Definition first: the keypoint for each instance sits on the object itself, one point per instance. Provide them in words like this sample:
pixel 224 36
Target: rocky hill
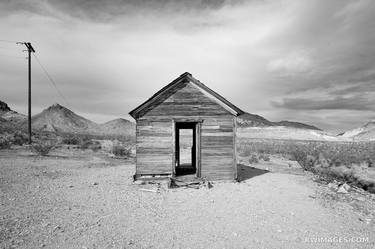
pixel 4 107
pixel 58 118
pixel 363 133
pixel 119 126
pixel 9 120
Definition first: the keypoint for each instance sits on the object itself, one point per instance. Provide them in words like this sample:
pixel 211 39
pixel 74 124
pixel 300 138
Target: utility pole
pixel 29 50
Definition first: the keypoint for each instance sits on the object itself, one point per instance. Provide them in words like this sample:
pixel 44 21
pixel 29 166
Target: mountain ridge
pixel 254 120
pixel 57 118
pixel 365 132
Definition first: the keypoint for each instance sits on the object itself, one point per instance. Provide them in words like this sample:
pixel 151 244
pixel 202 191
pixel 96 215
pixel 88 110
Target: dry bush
pixel 264 157
pixel 253 159
pixel 91 144
pixel 71 140
pixel 20 138
pixel 337 153
pixel 5 141
pixel 120 151
pixel 42 148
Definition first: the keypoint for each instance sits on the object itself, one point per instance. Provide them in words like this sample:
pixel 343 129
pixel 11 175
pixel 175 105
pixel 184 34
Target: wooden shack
pixel 182 109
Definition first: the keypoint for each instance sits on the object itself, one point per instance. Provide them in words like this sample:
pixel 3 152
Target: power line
pixel 13 56
pixel 5 47
pixel 8 41
pixel 52 81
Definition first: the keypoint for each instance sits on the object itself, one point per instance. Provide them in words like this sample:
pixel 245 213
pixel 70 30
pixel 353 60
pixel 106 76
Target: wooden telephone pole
pixel 29 50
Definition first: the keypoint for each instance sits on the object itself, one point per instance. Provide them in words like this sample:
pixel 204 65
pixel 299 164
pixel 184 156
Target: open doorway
pixel 186 148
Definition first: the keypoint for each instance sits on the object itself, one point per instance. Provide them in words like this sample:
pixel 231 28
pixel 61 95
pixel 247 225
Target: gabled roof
pixel 187 77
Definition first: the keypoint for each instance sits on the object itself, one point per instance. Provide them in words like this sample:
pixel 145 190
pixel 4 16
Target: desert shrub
pixel 20 138
pixel 85 144
pixel 120 151
pixel 5 141
pixel 370 164
pixel 253 159
pixel 71 140
pixel 299 156
pixel 356 175
pixel 264 157
pixel 91 144
pixel 42 148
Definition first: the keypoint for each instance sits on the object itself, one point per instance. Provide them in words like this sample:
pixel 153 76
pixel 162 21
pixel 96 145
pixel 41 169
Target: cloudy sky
pixel 308 61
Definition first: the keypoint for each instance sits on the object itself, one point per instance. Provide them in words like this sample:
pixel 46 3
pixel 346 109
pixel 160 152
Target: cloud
pixel 258 54
pixel 293 63
pixel 110 10
pixel 355 88
pixel 359 103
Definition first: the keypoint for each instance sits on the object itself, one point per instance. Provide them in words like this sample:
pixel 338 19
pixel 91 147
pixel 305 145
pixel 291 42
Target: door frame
pixel 198 125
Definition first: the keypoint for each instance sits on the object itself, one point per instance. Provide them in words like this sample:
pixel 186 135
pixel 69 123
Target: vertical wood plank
pixel 173 148
pixel 136 147
pixel 198 148
pixel 235 148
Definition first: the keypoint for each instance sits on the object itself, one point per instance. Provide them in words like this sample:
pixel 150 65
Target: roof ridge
pixel 186 76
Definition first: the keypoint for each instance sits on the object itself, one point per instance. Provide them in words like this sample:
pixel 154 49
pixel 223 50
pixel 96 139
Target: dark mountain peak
pixel 57 106
pixel 4 107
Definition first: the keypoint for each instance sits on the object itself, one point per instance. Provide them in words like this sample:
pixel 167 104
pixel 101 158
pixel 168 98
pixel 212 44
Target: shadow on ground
pixel 245 172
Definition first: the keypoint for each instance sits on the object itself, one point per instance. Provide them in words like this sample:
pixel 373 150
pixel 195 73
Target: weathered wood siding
pixel 154 147
pixel 155 132
pixel 217 150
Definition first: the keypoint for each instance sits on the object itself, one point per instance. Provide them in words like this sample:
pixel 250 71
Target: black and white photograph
pixel 157 124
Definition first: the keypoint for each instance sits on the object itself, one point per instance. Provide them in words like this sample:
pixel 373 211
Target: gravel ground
pixel 75 199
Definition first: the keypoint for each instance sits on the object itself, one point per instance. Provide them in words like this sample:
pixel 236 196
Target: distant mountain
pixel 287 133
pixel 118 126
pixel 363 133
pixel 4 107
pixel 14 117
pixel 9 120
pixel 57 118
pixel 296 125
pixel 5 126
pixel 253 120
pixel 255 126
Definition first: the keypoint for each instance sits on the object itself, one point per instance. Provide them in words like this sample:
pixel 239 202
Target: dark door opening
pixel 186 151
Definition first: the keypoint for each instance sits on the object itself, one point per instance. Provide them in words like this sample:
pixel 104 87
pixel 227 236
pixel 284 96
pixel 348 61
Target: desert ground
pixel 84 199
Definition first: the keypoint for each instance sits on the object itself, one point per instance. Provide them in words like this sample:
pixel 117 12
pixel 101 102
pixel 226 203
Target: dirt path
pixel 86 200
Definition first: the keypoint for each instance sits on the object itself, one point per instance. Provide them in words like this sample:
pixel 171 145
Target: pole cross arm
pixel 29 47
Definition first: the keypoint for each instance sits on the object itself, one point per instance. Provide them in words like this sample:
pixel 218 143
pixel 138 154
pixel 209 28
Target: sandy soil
pixel 88 200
